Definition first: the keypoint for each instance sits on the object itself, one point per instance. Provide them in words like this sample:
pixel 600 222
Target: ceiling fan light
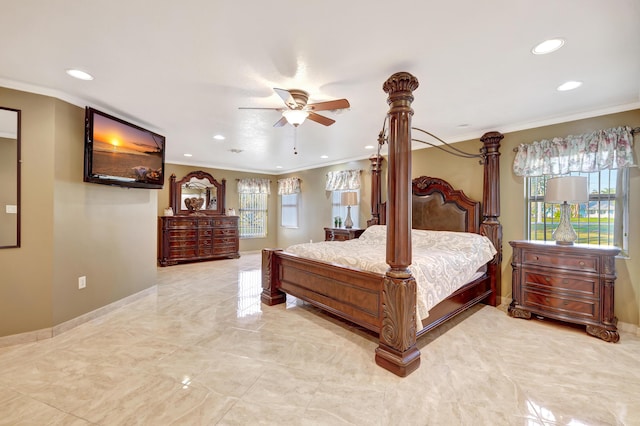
pixel 295 117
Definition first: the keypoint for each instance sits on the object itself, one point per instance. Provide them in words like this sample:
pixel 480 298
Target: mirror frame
pixel 18 173
pixel 175 195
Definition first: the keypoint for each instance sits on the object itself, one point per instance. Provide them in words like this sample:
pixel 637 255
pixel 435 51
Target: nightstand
pixel 341 234
pixel 572 283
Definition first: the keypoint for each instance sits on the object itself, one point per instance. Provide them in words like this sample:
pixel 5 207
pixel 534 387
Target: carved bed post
pixel 376 189
pixel 397 351
pixel 491 226
pixel 270 295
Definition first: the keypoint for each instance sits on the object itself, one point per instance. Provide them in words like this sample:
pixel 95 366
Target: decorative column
pixel 397 351
pixel 490 226
pixel 376 190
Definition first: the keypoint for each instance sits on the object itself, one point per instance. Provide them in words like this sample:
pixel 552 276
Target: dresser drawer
pixel 230 221
pixel 582 286
pixel 182 252
pixel 579 263
pixel 225 249
pixel 552 304
pixel 225 232
pixel 182 235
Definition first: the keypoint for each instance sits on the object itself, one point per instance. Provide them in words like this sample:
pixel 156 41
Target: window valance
pixel 342 180
pixel 288 186
pixel 590 152
pixel 254 186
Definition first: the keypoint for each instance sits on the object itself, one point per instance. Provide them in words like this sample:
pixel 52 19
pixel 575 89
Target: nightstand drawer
pixel 541 302
pixel 580 263
pixel 341 234
pixel 580 286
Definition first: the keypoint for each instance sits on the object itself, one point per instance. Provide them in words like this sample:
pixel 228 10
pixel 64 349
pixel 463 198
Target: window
pixel 601 221
pixel 253 215
pixel 339 210
pixel 289 204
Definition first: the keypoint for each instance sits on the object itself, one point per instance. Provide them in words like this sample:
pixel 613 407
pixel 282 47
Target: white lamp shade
pixel 349 198
pixel 295 116
pixel 572 189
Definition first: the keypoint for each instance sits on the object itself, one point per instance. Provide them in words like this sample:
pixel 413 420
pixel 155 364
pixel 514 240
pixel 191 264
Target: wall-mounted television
pixel 120 153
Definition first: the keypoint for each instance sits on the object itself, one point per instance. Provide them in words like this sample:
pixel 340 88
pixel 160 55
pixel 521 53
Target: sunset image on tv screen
pixel 125 152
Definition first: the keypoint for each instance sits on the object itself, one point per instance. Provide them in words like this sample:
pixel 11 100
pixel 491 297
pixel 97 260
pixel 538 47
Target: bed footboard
pixel 351 294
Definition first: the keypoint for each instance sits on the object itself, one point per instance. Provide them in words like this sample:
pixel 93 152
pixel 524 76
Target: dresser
pixel 572 283
pixel 192 238
pixel 341 234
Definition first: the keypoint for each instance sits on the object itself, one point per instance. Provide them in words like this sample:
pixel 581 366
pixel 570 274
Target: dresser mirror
pixel 9 178
pixel 197 193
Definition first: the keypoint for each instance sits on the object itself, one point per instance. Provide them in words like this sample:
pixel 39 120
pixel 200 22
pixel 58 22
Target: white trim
pixel 47 333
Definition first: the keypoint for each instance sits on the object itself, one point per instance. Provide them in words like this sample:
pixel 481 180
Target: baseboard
pixel 629 328
pixel 47 333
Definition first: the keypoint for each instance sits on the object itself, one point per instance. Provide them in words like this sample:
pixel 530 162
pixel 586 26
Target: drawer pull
pixel 546 299
pixel 535 258
pixel 565 303
pixel 547 278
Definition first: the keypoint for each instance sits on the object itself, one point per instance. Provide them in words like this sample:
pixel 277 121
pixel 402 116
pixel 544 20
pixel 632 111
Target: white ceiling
pixel 182 68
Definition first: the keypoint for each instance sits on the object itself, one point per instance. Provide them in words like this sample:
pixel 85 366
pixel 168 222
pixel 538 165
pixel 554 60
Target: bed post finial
pixel 491 226
pixel 397 351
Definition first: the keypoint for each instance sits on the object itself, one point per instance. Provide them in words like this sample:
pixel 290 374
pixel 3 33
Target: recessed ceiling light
pixel 569 85
pixel 219 137
pixel 548 46
pixel 324 156
pixel 278 167
pixel 79 74
pixel 188 155
pixel 369 147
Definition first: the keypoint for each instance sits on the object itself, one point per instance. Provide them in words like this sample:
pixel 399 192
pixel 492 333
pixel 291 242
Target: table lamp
pixel 565 191
pixel 348 199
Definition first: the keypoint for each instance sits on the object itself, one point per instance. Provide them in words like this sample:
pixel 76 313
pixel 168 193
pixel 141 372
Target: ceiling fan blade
pixel 287 98
pixel 329 105
pixel 320 119
pixel 280 122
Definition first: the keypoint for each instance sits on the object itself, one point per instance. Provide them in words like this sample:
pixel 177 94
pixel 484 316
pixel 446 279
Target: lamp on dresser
pixel 565 191
pixel 349 199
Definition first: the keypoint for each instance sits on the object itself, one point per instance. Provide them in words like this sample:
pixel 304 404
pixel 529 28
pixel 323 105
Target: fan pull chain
pixel 295 140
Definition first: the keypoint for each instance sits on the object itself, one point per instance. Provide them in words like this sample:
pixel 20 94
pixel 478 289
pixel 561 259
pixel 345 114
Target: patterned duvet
pixel 443 261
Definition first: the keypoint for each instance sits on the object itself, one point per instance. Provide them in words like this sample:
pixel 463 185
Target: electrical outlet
pixel 82 282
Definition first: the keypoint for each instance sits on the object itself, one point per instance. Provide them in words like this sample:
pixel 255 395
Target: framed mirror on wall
pixel 9 177
pixel 197 193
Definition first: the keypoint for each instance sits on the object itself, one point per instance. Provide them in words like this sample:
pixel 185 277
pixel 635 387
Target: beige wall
pixel 69 228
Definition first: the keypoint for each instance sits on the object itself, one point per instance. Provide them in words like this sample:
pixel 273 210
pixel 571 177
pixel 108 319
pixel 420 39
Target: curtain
pixel 346 179
pixel 254 186
pixel 288 186
pixel 591 152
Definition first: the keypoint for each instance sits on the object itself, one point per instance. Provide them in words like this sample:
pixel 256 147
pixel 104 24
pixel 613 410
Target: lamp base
pixel 564 233
pixel 348 223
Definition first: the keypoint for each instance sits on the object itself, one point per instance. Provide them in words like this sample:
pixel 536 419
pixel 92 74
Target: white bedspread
pixel 442 261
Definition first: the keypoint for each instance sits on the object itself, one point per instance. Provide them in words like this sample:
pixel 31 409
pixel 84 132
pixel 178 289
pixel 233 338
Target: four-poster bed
pixel 386 303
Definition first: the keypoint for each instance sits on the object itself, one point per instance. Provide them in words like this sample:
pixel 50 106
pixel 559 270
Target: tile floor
pixel 204 351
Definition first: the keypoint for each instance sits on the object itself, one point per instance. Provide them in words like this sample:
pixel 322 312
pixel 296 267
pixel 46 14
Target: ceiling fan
pixel 297 109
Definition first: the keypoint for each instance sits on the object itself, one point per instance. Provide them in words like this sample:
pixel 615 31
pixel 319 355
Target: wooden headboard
pixel 437 206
